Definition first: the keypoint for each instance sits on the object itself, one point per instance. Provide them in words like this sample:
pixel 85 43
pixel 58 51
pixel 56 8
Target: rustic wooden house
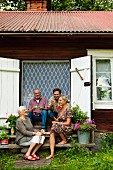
pixel 69 50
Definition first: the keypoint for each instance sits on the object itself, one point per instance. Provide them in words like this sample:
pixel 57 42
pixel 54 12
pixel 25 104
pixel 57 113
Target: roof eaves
pixel 53 32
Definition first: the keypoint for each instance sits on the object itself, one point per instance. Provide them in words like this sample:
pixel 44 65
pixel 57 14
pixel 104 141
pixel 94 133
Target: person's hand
pixel 53 122
pixel 59 122
pixel 34 107
pixel 34 133
pixel 53 102
pixel 38 133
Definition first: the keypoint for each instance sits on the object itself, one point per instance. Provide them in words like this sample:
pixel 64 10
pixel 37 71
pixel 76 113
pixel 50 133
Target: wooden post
pixel 92 137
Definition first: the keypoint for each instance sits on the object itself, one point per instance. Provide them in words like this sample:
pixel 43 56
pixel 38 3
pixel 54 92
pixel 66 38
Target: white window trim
pixel 100 54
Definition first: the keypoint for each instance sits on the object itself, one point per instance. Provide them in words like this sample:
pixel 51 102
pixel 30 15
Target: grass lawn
pixel 64 160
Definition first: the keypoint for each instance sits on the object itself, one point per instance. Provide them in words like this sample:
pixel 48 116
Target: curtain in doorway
pixel 46 76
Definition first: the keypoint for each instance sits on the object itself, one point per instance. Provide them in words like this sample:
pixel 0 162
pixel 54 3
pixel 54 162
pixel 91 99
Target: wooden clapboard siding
pixel 40 50
pixel 103 119
pixel 50 48
pixel 9 86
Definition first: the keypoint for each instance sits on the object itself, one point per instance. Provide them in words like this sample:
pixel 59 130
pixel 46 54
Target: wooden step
pixel 45 145
pixel 13 137
pixel 46 135
pixel 38 127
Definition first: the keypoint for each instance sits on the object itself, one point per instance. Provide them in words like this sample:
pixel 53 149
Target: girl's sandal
pixel 30 158
pixel 36 157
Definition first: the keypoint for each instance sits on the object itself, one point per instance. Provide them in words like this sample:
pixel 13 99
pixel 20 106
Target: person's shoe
pixel 36 157
pixel 30 158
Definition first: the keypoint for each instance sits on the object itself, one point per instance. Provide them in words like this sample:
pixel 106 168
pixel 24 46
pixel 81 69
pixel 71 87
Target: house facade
pixel 69 50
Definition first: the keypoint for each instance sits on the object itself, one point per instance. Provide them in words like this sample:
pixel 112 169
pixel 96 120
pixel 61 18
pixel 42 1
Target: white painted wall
pixel 9 87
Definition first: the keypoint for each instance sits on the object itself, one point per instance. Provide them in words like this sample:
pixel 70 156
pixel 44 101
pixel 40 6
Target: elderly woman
pixel 26 136
pixel 62 126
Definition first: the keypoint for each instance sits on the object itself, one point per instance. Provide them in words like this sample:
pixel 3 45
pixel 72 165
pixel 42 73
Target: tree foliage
pixel 62 5
pixel 82 5
pixel 13 5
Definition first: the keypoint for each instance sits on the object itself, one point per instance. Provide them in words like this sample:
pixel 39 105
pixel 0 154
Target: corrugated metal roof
pixel 56 22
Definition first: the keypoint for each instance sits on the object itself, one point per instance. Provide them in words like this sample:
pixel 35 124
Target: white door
pixel 9 86
pixel 81 83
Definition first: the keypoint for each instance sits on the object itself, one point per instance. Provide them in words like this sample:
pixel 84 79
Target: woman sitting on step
pixel 62 126
pixel 26 136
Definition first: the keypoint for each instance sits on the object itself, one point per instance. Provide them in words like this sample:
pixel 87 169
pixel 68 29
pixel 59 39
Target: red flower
pixel 58 107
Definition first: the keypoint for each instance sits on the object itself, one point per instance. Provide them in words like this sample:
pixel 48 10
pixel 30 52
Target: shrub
pixel 107 141
pixel 78 114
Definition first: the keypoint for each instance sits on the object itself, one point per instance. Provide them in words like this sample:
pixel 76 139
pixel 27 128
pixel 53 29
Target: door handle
pixel 87 83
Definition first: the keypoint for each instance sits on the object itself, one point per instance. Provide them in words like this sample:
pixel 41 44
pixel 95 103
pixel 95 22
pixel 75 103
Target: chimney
pixel 38 5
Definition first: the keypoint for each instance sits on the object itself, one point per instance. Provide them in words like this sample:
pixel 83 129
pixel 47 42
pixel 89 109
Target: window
pixel 103 80
pixel 102 73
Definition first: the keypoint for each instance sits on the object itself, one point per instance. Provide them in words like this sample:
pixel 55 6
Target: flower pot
pixel 83 137
pixel 4 142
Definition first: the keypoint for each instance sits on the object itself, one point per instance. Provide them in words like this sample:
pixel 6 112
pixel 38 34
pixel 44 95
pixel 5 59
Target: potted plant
pixel 4 129
pixel 4 137
pixel 78 114
pixel 12 122
pixel 105 94
pixel 83 130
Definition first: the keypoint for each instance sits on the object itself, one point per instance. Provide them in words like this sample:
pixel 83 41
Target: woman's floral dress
pixel 60 128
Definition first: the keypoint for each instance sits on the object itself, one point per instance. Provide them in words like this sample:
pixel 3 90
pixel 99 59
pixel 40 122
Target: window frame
pixel 101 55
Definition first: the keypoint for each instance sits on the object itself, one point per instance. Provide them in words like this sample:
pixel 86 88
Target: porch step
pixel 12 138
pixel 46 135
pixel 45 145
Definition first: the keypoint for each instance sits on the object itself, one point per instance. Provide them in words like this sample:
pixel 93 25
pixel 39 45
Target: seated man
pixel 38 108
pixel 53 103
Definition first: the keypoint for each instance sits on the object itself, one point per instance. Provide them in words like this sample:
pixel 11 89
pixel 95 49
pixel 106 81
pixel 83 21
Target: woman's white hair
pixel 20 109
